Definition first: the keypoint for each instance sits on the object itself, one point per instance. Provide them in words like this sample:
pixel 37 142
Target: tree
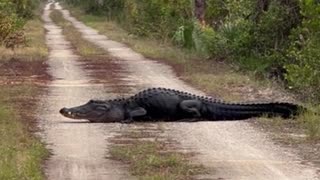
pixel 199 11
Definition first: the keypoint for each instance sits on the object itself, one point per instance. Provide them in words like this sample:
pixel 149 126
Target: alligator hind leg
pixel 191 107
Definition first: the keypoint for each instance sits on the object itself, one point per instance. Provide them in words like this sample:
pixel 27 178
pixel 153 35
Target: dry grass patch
pixel 221 85
pixel 311 123
pixel 151 160
pixel 35 48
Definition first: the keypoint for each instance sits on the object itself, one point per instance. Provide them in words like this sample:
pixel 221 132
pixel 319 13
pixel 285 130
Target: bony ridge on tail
pixel 172 105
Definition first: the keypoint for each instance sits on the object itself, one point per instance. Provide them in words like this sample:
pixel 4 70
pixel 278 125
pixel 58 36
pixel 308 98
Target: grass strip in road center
pixel 150 159
pixel 81 46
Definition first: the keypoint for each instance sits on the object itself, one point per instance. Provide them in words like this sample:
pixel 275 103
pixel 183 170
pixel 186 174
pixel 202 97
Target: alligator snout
pixel 65 112
pixel 71 113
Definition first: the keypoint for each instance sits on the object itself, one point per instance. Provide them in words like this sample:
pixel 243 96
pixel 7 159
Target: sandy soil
pixel 234 150
pixel 16 71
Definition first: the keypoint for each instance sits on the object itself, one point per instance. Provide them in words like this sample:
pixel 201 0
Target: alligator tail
pixel 226 111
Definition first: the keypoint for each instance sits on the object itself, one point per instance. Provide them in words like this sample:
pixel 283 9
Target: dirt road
pixel 234 150
pixel 79 149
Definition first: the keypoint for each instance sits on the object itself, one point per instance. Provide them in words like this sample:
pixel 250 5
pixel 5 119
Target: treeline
pixel 13 15
pixel 274 38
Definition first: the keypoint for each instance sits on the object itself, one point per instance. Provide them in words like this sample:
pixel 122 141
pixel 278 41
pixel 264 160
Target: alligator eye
pixel 91 101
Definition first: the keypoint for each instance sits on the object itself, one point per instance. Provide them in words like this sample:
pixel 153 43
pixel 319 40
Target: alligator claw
pixel 126 121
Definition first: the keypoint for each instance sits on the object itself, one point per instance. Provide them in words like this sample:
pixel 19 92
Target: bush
pixel 303 68
pixel 13 15
pixel 160 19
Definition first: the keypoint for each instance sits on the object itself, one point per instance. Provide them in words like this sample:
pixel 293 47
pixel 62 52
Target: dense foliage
pixel 304 52
pixel 273 38
pixel 13 14
pixel 161 19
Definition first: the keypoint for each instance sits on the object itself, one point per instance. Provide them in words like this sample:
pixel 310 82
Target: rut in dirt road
pixel 79 150
pixel 235 150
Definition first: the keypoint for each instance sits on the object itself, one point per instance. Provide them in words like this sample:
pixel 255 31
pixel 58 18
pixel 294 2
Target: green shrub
pixel 216 11
pixel 210 42
pixel 303 67
pixel 159 19
pixel 9 21
pixel 13 15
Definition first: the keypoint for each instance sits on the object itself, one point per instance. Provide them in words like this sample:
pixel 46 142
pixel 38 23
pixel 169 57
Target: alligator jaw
pixel 67 113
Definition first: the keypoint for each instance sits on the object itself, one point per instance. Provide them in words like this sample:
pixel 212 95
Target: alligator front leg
pixel 191 107
pixel 131 113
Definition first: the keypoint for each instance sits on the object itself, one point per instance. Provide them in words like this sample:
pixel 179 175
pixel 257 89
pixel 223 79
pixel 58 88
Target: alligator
pixel 172 105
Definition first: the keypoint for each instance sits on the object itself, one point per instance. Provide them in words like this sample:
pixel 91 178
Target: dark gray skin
pixel 172 105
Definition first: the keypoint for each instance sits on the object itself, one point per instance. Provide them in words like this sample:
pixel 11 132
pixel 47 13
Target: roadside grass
pixel 81 46
pixel 150 160
pixel 34 49
pixel 306 126
pixel 221 85
pixel 21 154
pixel 310 122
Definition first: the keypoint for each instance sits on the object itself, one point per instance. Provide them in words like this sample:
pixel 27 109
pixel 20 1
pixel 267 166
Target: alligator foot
pixel 126 121
pixel 189 120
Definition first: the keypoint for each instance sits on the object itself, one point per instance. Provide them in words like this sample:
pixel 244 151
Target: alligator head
pixel 95 111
